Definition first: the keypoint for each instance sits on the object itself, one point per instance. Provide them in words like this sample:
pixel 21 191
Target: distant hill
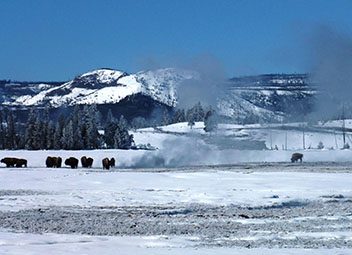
pixel 250 99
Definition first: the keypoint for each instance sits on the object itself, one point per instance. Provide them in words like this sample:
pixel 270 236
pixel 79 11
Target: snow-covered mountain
pixel 251 98
pixel 107 86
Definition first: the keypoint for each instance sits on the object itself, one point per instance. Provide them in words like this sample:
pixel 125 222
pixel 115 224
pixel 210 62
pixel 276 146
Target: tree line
pixel 79 130
pixel 84 128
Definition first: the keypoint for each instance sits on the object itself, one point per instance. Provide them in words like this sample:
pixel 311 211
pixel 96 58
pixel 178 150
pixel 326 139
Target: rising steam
pixel 332 71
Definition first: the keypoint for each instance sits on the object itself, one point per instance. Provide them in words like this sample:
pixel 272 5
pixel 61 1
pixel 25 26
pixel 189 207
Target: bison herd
pixel 56 162
pixel 72 162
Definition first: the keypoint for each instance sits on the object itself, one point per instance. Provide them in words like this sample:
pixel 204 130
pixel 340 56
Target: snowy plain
pixel 187 171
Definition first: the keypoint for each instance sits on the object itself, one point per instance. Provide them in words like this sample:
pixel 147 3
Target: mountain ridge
pixel 267 97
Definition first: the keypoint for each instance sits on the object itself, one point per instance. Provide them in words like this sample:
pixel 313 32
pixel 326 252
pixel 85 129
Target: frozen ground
pixel 240 209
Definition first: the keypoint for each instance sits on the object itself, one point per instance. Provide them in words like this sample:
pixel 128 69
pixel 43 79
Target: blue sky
pixel 56 40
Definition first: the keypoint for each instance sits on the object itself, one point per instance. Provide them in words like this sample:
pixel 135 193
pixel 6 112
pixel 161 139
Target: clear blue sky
pixel 56 40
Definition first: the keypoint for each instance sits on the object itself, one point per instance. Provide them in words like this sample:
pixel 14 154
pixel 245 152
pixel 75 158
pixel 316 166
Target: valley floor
pixel 257 208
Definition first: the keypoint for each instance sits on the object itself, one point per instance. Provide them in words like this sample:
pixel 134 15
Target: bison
pixel 21 162
pixel 12 162
pixel 106 163
pixel 296 156
pixel 72 162
pixel 59 162
pixel 53 162
pixel 86 162
pixel 112 162
pixel 89 162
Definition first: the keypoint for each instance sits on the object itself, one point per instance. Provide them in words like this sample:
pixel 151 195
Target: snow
pixel 183 127
pixel 109 94
pixel 105 75
pixel 116 85
pixel 85 188
pixel 238 108
pixel 247 185
pixel 20 243
pixel 67 187
pixel 337 123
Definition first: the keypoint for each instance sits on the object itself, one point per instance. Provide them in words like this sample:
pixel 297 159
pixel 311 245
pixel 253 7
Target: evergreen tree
pixel 91 125
pixel 57 136
pixel 50 135
pixel 2 132
pixel 138 122
pixel 11 132
pixel 44 129
pixel 110 117
pixel 78 128
pixel 67 140
pixel 116 134
pixel 166 118
pixel 59 127
pixel 179 116
pixel 40 133
pixel 31 142
pixel 123 122
pixel 109 133
pixel 122 140
pixel 196 113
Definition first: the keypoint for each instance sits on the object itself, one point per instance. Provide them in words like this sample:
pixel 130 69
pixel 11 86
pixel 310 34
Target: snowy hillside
pixel 106 86
pixel 244 111
pixel 281 94
pixel 251 99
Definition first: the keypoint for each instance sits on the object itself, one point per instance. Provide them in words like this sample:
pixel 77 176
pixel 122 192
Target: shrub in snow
pixel 320 145
pixel 346 146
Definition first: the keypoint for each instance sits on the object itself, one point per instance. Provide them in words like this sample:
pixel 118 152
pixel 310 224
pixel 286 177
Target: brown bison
pixel 21 162
pixel 59 162
pixel 12 162
pixel 72 162
pixel 53 162
pixel 112 162
pixel 86 162
pixel 106 163
pixel 296 156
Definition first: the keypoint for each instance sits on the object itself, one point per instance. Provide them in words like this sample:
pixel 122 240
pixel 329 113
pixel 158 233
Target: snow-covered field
pixel 47 201
pixel 213 200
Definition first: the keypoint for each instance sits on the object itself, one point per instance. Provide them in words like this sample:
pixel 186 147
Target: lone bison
pixel 86 162
pixel 296 156
pixel 12 162
pixel 53 162
pixel 72 162
pixel 112 162
pixel 106 163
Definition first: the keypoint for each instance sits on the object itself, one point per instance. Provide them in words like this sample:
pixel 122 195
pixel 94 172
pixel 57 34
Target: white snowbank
pixel 20 243
pixel 72 187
